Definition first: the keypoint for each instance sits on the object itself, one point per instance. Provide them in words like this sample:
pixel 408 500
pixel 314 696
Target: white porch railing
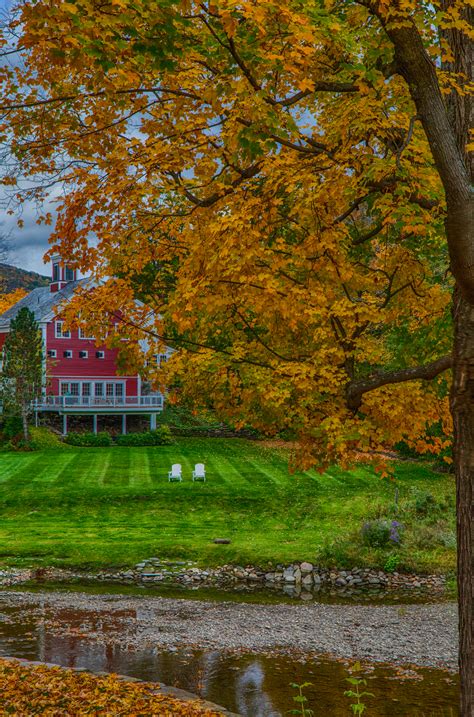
pixel 58 402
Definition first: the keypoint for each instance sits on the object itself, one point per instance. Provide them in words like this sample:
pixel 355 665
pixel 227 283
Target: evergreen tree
pixel 21 382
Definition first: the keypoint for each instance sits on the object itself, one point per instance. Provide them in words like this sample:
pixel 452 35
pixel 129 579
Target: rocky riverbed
pixel 423 635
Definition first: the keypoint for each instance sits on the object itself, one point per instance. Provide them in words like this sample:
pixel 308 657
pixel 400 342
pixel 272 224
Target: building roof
pixel 42 302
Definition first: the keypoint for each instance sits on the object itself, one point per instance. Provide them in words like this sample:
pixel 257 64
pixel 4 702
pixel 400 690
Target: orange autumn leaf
pixel 27 689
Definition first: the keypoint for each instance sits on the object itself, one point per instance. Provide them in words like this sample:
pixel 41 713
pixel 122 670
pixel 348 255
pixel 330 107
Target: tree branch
pixel 355 390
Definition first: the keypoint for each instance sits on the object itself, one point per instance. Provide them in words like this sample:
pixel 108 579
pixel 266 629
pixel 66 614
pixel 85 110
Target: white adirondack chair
pixel 175 473
pixel 199 472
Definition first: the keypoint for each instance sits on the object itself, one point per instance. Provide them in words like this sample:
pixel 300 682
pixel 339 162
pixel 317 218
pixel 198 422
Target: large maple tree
pixel 287 187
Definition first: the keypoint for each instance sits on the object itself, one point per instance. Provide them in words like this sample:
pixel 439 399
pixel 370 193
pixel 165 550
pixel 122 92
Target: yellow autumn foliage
pixel 34 689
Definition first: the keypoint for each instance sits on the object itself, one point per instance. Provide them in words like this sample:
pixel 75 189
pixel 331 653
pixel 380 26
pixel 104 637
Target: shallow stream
pixel 254 685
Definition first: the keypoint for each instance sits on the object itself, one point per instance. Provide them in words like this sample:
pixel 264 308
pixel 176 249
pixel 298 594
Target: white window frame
pixel 85 354
pixel 89 398
pixel 100 357
pixel 52 353
pixel 58 330
pixel 67 351
pixel 83 337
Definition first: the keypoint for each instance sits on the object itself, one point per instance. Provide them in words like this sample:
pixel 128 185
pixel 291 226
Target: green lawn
pixel 102 507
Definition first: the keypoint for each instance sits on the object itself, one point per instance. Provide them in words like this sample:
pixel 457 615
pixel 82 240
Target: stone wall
pixel 297 577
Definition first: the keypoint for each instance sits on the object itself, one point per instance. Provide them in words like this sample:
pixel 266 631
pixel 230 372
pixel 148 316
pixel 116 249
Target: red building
pixel 79 377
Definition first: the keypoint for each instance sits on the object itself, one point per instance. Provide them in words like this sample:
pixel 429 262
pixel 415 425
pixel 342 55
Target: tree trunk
pixel 24 418
pixel 462 407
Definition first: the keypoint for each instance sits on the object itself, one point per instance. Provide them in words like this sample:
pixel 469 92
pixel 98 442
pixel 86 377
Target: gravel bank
pixel 423 635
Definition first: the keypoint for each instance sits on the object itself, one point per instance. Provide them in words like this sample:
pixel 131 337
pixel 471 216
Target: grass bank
pixel 105 507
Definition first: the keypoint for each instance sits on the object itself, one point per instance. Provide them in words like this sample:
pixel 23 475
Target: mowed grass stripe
pixel 10 467
pixel 139 469
pixel 264 475
pixel 97 469
pixel 62 471
pixel 225 468
pixel 118 472
pixel 42 468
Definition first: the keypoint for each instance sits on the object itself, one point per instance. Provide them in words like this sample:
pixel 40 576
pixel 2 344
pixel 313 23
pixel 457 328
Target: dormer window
pixel 56 272
pixel 68 274
pixel 60 332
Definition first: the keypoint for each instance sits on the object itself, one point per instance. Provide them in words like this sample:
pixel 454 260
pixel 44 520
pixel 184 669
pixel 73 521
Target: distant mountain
pixel 11 278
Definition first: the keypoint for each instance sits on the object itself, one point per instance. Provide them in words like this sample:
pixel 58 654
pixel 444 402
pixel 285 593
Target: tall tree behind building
pixel 22 374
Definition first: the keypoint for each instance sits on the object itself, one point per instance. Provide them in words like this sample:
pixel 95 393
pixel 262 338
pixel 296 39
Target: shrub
pixel 43 438
pixel 376 533
pixel 425 503
pixel 448 539
pixel 159 437
pixel 429 537
pixel 18 444
pixel 184 417
pixel 12 427
pixel 380 533
pixel 89 439
pixel 391 564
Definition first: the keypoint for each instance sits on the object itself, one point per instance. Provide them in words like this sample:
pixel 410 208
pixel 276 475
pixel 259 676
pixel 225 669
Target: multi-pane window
pixel 68 274
pixel 83 334
pixel 86 389
pixel 56 272
pixel 99 389
pixel 60 331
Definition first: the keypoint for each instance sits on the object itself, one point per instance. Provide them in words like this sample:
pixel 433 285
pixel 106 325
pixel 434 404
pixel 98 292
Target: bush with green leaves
pixel 425 503
pixel 391 564
pixel 159 437
pixel 380 533
pixel 89 439
pixel 433 535
pixel 184 417
pixel 42 438
pixel 12 427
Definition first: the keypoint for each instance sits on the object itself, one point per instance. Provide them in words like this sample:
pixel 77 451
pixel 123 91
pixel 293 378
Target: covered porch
pixel 96 406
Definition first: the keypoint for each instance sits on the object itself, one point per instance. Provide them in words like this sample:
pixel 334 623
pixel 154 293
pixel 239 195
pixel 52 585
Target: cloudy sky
pixel 26 246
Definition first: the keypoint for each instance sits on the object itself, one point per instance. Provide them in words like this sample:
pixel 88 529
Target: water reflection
pixel 251 696
pixel 248 592
pixel 252 685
